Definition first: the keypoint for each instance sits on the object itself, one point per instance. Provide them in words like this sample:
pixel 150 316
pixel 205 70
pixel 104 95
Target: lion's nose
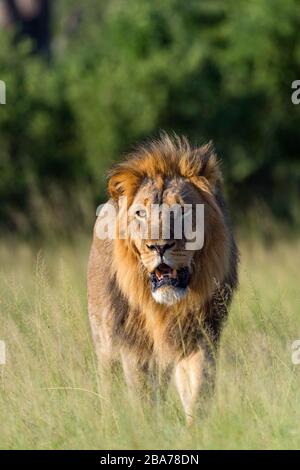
pixel 160 249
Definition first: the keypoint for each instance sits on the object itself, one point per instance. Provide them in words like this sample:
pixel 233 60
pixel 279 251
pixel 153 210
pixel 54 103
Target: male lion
pixel 154 304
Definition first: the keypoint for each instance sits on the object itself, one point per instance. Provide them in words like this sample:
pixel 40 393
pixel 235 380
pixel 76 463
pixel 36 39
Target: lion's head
pixel 162 185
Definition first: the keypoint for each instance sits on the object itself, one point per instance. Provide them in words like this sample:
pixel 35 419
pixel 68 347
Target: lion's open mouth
pixel 164 275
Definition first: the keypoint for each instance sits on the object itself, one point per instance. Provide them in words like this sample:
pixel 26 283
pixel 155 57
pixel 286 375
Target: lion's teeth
pixel 166 275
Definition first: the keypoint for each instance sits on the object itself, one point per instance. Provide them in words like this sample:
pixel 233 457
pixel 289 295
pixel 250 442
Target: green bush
pixel 210 70
pixel 40 152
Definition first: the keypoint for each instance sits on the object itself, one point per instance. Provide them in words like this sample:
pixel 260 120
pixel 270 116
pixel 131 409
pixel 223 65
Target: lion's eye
pixel 142 214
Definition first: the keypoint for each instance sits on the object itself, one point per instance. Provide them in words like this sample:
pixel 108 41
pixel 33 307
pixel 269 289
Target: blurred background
pixel 85 81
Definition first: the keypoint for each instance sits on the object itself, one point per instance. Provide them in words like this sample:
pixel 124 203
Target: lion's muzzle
pixel 164 275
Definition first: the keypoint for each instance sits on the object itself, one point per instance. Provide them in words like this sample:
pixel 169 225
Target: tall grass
pixel 50 396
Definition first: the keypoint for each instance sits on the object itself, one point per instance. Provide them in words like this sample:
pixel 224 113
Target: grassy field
pixel 50 397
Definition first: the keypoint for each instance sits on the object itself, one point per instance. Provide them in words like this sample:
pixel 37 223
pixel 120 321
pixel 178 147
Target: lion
pixel 156 306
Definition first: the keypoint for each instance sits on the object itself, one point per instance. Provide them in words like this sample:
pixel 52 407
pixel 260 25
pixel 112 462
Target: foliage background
pixel 113 74
pixel 121 71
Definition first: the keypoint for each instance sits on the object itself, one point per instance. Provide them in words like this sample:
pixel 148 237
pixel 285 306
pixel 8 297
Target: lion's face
pixel 159 243
pixel 167 265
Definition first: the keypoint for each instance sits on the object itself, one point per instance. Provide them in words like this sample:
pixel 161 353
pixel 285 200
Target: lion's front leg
pixel 105 351
pixel 135 372
pixel 159 379
pixel 195 379
pixel 144 380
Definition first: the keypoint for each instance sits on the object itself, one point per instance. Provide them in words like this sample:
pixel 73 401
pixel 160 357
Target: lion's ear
pixel 122 183
pixel 115 185
pixel 209 168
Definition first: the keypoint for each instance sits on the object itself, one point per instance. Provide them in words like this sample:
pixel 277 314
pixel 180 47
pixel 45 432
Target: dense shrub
pixel 211 70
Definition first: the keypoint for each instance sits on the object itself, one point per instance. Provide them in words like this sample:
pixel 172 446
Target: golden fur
pixel 127 322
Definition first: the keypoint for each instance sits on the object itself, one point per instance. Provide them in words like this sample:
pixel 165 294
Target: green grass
pixel 50 397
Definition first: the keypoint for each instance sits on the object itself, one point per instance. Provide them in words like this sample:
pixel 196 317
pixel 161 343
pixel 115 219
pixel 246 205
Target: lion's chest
pixel 158 337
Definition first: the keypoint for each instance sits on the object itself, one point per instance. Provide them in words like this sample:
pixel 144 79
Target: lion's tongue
pixel 164 271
